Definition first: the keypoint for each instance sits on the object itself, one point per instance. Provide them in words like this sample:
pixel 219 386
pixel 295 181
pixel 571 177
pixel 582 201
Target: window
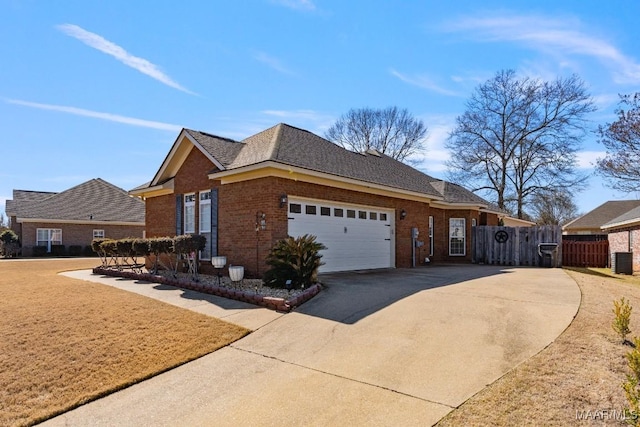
pixel 295 208
pixel 383 217
pixel 98 234
pixel 457 237
pixel 362 214
pixel 338 212
pixel 351 213
pixel 48 236
pixel 310 210
pixel 189 213
pixel 373 215
pixel 325 211
pixel 205 212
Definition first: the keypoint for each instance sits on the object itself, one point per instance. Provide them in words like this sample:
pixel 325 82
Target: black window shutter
pixel 179 214
pixel 214 222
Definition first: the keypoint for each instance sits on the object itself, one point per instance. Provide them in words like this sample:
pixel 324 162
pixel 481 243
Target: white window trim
pixel 98 234
pixel 189 226
pixel 464 236
pixel 204 227
pixel 50 234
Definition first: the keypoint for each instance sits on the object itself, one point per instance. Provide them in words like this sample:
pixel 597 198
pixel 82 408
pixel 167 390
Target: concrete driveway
pixel 397 347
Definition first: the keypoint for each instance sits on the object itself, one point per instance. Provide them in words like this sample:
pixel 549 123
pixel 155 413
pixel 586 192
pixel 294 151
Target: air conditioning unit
pixel 622 262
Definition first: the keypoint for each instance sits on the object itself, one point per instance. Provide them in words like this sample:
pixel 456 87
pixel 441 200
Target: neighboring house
pixel 589 225
pixel 57 221
pixel 516 222
pixel 624 235
pixel 244 196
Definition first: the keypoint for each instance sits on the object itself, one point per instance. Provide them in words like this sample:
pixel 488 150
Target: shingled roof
pixel 626 219
pixel 291 146
pixel 602 215
pixel 94 200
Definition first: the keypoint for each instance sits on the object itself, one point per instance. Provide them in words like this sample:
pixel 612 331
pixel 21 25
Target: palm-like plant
pixel 295 259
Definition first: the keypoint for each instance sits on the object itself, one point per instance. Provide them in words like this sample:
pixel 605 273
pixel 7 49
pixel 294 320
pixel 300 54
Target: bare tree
pixel 553 208
pixel 518 136
pixel 391 131
pixel 621 165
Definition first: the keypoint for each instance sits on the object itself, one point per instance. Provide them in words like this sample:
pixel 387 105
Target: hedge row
pixel 185 244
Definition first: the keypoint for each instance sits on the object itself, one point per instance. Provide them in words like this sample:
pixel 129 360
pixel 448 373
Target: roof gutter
pixel 271 168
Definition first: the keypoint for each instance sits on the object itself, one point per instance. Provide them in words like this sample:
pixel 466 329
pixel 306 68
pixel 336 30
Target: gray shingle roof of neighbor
pixel 95 200
pixel 292 146
pixel 630 216
pixel 602 214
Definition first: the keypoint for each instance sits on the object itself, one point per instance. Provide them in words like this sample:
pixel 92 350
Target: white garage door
pixel 356 237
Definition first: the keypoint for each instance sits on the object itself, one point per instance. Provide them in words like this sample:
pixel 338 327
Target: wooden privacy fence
pixel 516 245
pixel 585 254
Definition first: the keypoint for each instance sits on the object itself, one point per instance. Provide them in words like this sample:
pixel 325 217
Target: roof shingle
pixel 95 200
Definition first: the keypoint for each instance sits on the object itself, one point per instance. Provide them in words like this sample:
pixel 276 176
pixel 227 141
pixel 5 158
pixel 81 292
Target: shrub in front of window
pixel 58 250
pixel 295 259
pixel 39 251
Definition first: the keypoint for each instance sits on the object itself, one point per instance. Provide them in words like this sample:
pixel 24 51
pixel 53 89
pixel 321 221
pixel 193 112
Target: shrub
pixel 295 259
pixel 140 247
pixel 75 250
pixel 157 246
pixel 622 312
pixel 189 243
pixel 109 247
pixel 58 250
pixel 124 247
pixel 39 250
pixel 630 386
pixel 9 243
pixel 88 251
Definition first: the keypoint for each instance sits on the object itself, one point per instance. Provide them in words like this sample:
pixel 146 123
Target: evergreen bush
pixel 295 259
pixel 622 311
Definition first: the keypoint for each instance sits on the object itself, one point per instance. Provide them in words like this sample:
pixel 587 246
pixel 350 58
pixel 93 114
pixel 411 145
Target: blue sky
pixel 94 89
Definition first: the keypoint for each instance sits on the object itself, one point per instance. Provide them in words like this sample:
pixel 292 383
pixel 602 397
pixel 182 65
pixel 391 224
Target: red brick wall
pixel 619 242
pixel 76 234
pixel 241 204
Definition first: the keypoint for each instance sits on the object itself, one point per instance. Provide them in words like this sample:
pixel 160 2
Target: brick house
pixel 244 196
pixel 72 218
pixel 624 235
pixel 589 225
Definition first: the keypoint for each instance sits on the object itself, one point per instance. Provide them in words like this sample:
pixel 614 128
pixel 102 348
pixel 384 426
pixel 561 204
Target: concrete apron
pixel 399 347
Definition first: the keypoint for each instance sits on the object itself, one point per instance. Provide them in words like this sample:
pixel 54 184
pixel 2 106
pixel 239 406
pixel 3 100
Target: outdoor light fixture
pixel 283 201
pixel 403 214
pixel 261 221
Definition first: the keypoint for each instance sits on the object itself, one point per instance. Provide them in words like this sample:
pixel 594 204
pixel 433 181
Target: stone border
pixel 272 303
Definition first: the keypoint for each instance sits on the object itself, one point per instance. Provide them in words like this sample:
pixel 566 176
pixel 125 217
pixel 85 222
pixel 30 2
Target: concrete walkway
pixel 399 347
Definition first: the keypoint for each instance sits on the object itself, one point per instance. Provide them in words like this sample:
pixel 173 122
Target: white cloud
pixel 432 160
pixel 272 62
pixel 424 82
pixel 555 36
pixel 587 159
pixel 98 115
pixel 103 45
pixel 306 5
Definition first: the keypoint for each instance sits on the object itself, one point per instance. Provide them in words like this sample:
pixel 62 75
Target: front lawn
pixel 65 342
